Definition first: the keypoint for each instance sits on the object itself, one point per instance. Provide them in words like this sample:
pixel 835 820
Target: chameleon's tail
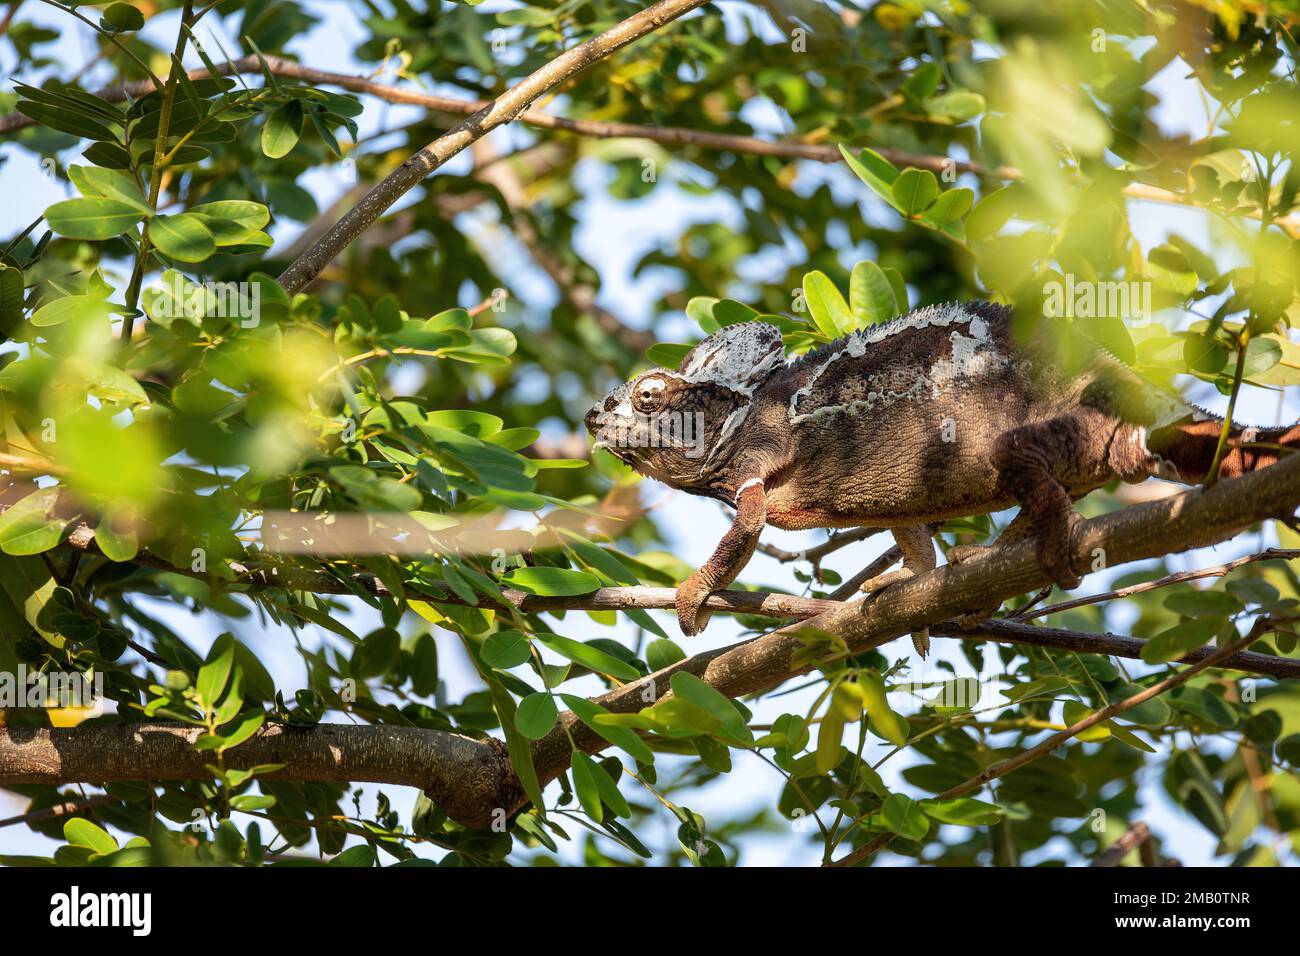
pixel 1185 450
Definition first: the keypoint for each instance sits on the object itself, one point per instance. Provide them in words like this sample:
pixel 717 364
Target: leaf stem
pixel 1221 449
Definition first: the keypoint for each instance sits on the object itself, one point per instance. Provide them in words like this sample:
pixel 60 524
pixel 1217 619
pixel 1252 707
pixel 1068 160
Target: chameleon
pixel 942 413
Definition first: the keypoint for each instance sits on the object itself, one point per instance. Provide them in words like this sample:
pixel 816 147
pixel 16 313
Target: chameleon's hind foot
pixel 882 581
pixel 1055 544
pixel 920 639
pixel 961 553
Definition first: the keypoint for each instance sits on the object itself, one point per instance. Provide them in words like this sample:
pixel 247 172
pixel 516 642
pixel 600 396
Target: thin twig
pixel 815 554
pixel 1179 577
pixel 667 135
pixel 67 809
pixel 1138 835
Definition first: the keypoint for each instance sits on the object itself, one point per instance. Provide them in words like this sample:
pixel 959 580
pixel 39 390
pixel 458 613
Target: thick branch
pixel 466 777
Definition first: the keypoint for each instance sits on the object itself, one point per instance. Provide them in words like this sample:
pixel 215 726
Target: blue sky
pixel 612 236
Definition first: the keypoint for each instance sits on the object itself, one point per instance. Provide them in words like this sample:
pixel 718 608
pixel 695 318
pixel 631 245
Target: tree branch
pixel 1112 645
pixel 1138 836
pixel 1178 577
pixel 600 129
pixel 437 761
pixel 465 777
pixel 503 109
pixel 1057 740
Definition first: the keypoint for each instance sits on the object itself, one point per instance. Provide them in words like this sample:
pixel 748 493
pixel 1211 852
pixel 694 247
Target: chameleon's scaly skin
pixel 939 414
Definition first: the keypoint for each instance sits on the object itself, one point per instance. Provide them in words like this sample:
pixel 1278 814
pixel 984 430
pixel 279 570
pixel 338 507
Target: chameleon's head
pixel 676 425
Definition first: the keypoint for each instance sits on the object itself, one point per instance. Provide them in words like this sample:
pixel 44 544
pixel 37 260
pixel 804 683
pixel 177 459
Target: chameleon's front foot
pixel 691 595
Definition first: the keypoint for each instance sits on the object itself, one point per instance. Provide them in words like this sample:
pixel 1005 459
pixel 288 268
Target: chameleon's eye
pixel 649 394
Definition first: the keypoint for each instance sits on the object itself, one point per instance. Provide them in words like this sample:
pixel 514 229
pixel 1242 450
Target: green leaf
pixel 663 653
pixel 902 815
pixel 182 237
pixel 536 716
pixel 552 582
pixel 526 16
pixel 355 856
pixel 282 129
pixel 1262 354
pixel 92 219
pixel 950 206
pixel 245 802
pixel 517 746
pixel 117 545
pixel 248 724
pixel 956 106
pixel 375 492
pixel 584 771
pixel 667 354
pixel 914 191
pixel 1178 640
pixel 377 653
pixel 873 169
pixel 29 525
pixel 1073 712
pixel 880 716
pixel 467 421
pixel 506 649
pixel 83 308
pixel 829 734
pixel 992 213
pixel 588 656
pixel 870 295
pixel 94 182
pixel 1198 603
pixel 65 119
pixel 608 788
pixel 81 832
pixel 830 313
pixel 590 713
pixel 122 18
pixel 215 673
pixel 690 688
pixel 962 812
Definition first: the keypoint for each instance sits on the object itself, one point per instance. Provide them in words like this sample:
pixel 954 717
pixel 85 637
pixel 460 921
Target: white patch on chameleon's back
pixel 968 360
pixel 738 357
pixel 874 399
pixel 972 356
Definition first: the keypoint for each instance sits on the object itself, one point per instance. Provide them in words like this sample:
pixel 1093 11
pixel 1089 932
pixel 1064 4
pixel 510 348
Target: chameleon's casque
pixel 939 414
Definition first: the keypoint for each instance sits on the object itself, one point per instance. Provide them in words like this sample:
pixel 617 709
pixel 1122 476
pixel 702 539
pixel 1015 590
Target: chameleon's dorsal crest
pixel 738 356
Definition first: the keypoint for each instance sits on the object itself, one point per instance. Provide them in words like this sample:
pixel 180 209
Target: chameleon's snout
pixel 607 412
